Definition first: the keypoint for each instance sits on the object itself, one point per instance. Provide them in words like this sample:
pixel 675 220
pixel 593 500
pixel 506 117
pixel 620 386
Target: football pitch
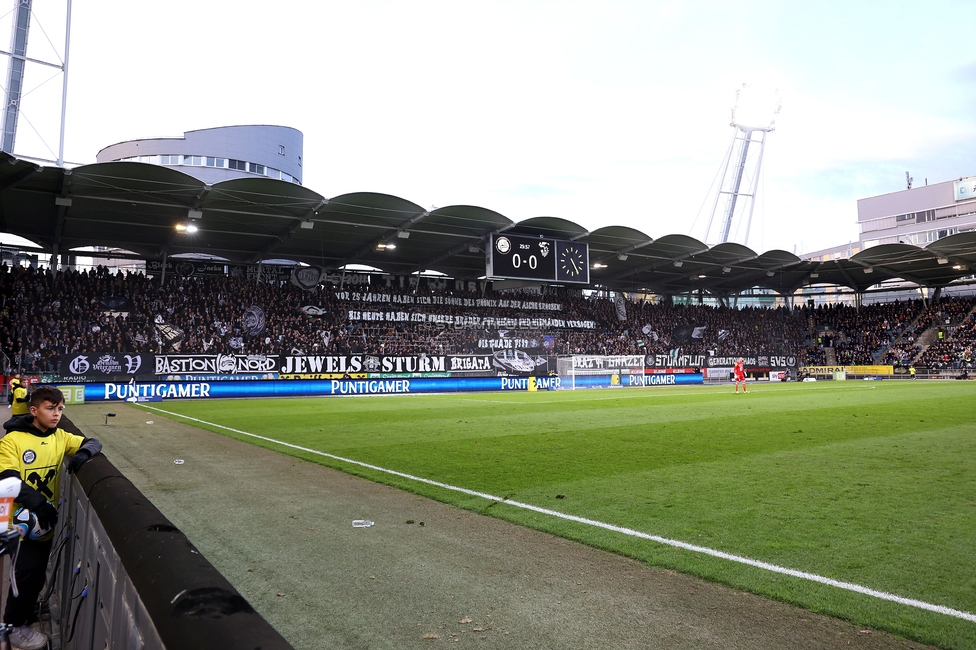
pixel 856 499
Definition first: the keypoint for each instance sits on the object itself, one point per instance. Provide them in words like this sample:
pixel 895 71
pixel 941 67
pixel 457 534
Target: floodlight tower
pixel 16 69
pixel 753 118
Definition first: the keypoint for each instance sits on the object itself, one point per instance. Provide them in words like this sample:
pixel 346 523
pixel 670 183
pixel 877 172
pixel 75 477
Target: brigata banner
pixel 105 364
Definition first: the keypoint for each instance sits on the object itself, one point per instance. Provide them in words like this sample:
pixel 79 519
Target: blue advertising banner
pixel 145 391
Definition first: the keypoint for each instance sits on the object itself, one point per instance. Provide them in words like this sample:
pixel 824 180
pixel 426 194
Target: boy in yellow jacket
pixel 33 450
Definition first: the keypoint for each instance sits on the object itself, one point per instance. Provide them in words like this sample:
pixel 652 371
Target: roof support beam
pixel 63 203
pixel 288 232
pixel 664 262
pixel 19 177
pixel 387 234
pixel 624 251
pixel 460 248
pixel 893 272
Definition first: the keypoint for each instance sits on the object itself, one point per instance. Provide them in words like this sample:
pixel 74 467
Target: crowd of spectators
pixel 44 317
pixel 955 337
pixel 860 335
pixel 944 315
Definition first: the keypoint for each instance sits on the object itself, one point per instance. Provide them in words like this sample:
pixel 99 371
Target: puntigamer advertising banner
pixel 165 390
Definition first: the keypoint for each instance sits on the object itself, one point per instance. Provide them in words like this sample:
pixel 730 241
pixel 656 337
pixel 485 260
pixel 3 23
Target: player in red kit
pixel 739 370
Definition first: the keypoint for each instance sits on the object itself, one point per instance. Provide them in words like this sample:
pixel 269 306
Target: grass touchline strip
pixel 940 609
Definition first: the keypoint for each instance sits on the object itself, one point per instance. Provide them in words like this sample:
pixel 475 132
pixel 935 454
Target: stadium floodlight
pixel 383 246
pixel 726 269
pixel 942 260
pixel 756 108
pixel 597 265
pixel 186 228
pixel 868 269
pixel 194 214
pixel 622 257
pixel 474 248
pixel 678 263
pixel 814 275
pixel 403 234
pixel 959 267
pixel 770 274
pixel 702 276
pixel 308 224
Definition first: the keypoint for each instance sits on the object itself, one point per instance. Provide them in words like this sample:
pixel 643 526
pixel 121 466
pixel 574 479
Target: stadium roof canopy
pixel 136 206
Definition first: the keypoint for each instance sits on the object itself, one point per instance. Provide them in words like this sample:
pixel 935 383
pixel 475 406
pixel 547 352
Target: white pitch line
pixel 848 586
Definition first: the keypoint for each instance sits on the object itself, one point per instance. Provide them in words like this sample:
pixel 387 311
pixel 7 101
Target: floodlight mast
pixel 15 72
pixel 16 68
pixel 747 130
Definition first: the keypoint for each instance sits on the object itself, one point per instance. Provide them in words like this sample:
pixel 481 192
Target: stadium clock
pixel 572 262
pixel 518 257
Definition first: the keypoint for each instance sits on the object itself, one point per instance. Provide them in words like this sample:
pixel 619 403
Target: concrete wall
pixel 126 578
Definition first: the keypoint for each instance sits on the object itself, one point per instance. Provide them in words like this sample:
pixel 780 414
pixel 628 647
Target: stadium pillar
pixel 936 295
pixel 162 275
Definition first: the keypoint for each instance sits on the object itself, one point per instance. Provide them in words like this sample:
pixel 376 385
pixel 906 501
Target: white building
pixel 918 216
pixel 221 153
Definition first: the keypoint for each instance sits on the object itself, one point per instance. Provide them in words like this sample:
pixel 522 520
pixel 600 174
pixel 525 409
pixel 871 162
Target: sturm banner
pixel 105 364
pixel 337 364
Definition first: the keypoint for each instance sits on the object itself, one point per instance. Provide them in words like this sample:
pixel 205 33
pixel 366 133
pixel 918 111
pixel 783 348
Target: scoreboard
pixel 517 257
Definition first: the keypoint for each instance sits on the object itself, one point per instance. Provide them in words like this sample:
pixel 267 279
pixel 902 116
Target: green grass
pixel 872 483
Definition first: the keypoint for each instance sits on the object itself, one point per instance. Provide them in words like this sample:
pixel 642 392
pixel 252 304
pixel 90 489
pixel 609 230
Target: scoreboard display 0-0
pixel 517 257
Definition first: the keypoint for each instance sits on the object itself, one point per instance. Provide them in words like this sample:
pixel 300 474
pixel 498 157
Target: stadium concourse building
pixel 918 217
pixel 233 196
pixel 220 154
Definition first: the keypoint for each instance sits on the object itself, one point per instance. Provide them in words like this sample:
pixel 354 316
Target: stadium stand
pixel 43 318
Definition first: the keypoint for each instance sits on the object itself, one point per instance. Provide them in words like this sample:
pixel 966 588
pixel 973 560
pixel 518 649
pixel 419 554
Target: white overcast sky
pixel 603 113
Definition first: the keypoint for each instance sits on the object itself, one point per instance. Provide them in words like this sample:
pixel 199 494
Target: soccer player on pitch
pixel 739 370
